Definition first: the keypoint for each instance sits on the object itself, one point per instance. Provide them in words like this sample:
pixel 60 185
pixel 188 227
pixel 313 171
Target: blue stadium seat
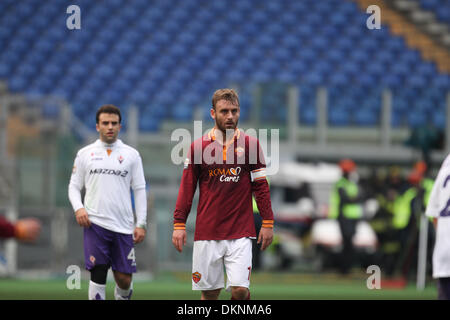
pixel 365 117
pixel 438 120
pixel 147 123
pixel 416 118
pixel 338 116
pixel 308 115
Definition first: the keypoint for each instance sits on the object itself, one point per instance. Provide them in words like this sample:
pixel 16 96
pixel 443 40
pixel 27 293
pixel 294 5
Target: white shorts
pixel 211 256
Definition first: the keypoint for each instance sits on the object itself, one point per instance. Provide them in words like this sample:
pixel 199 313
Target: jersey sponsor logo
pixel 196 276
pixel 122 173
pixel 226 175
pixel 96 156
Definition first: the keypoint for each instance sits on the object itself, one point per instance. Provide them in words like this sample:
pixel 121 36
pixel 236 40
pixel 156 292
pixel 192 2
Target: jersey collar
pixel 114 145
pixel 212 135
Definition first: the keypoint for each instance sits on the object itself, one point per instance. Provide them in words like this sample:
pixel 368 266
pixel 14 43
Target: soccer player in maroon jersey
pixel 229 167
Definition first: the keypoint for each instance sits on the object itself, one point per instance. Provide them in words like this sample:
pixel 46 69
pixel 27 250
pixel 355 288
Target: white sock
pixel 120 294
pixel 96 291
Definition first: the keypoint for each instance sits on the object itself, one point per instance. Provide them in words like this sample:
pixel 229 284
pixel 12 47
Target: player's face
pixel 108 127
pixel 226 115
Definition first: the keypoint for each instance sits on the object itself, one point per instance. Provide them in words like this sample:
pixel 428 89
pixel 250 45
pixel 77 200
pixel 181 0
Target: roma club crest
pixel 196 276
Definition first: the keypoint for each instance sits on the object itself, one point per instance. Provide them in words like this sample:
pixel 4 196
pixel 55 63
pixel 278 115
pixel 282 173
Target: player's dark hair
pixel 225 94
pixel 108 108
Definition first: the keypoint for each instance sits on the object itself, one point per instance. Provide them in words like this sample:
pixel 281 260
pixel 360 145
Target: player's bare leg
pixel 210 294
pixel 240 293
pixel 124 286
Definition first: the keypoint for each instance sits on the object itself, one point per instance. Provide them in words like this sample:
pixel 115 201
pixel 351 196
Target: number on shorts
pixel 249 272
pixel 131 255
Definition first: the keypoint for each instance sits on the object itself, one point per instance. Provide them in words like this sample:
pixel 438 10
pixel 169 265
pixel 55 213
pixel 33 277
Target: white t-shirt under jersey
pixel 108 171
pixel 439 207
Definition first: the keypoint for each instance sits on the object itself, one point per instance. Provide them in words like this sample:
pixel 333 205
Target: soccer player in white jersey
pixel 439 208
pixel 109 169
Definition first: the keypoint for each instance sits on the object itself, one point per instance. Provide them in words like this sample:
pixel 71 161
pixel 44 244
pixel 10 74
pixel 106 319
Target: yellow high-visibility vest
pixel 351 210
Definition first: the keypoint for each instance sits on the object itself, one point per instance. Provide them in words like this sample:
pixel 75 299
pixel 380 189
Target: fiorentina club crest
pixel 196 276
pixel 120 158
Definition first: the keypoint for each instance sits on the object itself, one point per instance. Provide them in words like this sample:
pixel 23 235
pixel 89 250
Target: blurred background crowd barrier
pixel 312 69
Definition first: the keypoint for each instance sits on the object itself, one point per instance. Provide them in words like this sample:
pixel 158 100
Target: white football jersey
pixel 439 207
pixel 108 171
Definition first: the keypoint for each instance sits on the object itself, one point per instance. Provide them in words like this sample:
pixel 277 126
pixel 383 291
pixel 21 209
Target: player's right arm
pixel 75 186
pixel 183 206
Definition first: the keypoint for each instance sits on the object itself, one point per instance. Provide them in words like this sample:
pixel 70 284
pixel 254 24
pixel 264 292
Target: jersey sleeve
pixel 260 185
pixel 186 192
pixel 435 201
pixel 7 229
pixel 137 174
pixel 76 183
pixel 140 195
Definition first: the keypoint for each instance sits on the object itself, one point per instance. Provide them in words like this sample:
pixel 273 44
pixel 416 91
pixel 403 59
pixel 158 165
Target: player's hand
pixel 265 237
pixel 179 239
pixel 82 218
pixel 27 230
pixel 138 235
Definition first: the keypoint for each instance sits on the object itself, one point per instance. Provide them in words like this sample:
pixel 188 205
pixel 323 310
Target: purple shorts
pixel 102 246
pixel 443 288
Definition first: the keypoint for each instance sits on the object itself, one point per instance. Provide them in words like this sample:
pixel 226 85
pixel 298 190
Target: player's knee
pixel 210 294
pixel 123 280
pixel 239 293
pixel 99 274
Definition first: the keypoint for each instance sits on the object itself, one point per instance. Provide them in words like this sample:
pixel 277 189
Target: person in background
pixel 345 206
pixel 438 208
pixel 108 169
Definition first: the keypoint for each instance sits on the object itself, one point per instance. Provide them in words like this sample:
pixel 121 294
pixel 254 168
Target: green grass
pixel 264 286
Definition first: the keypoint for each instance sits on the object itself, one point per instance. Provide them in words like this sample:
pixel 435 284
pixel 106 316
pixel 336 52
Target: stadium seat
pixel 338 116
pixel 365 117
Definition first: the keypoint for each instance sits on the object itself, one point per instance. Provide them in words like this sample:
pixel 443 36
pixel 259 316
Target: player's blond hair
pixel 225 94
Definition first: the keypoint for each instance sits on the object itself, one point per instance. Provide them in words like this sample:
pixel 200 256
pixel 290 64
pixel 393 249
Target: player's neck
pixel 109 144
pixel 221 136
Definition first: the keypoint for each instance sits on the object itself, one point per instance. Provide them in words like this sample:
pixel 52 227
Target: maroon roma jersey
pixel 228 176
pixel 7 229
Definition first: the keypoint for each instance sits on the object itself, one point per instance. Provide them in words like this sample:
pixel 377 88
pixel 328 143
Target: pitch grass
pixel 265 286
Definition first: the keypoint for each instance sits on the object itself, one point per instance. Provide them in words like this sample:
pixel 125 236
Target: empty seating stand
pixel 167 58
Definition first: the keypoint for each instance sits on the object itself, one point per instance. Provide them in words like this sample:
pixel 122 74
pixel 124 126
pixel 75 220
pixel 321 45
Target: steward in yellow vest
pixel 345 206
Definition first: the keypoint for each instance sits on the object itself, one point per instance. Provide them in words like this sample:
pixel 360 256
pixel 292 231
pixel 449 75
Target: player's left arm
pixel 140 200
pixel 261 191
